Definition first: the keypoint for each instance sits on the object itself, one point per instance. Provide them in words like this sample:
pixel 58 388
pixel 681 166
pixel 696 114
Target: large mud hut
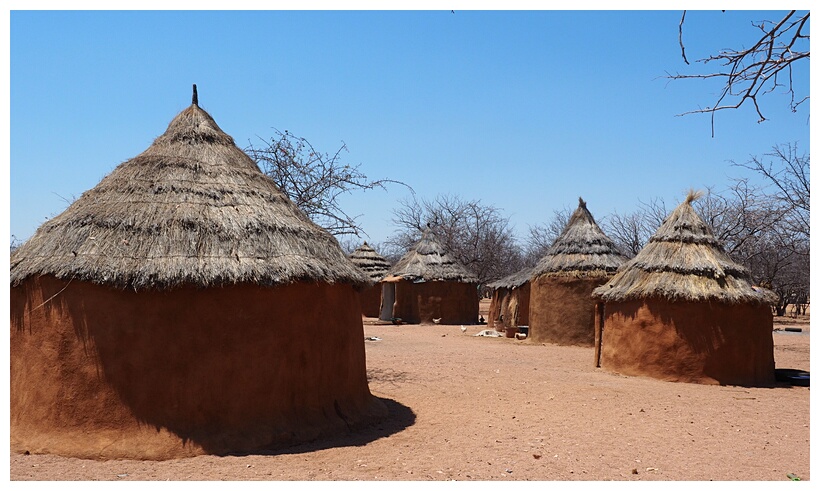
pixel 184 306
pixel 375 266
pixel 562 310
pixel 428 283
pixel 510 302
pixel 682 310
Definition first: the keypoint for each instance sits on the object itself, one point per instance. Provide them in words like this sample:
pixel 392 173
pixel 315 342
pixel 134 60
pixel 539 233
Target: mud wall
pixel 452 302
pixel 370 300
pixel 499 299
pixel 710 343
pixel 103 373
pixel 562 310
pixel 517 312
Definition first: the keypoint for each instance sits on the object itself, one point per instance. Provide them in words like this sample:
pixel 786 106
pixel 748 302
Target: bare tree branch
pixel 314 181
pixel 542 236
pixel 789 172
pixel 753 72
pixel 680 38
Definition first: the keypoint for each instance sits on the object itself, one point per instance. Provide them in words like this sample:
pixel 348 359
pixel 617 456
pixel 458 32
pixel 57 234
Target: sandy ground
pixel 472 408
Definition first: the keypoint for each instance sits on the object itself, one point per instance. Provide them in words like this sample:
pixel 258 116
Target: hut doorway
pixel 388 299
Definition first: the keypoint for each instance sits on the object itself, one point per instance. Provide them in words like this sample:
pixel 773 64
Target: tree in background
pixel 313 180
pixel 15 243
pixel 540 237
pixel 788 172
pixel 779 255
pixel 768 64
pixel 631 231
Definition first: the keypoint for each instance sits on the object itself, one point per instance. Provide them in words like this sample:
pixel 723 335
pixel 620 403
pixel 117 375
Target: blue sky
pixel 524 110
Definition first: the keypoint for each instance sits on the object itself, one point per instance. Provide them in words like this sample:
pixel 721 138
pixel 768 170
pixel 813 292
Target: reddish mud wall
pixel 371 299
pixel 517 312
pixel 562 310
pixel 452 302
pixel 103 373
pixel 711 343
pixel 499 298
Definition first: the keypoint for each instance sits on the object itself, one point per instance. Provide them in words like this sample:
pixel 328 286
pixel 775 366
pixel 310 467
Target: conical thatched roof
pixel 428 261
pixel 515 280
pixel 370 262
pixel 683 261
pixel 192 208
pixel 582 249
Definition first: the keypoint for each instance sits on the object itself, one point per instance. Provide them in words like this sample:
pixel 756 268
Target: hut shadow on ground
pixel 399 418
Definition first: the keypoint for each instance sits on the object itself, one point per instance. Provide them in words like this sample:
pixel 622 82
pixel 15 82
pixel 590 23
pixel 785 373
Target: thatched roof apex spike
pixel 581 202
pixel 693 195
pixel 195 98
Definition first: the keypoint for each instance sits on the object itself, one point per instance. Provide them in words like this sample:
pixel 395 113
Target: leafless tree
pixel 788 172
pixel 631 231
pixel 313 180
pixel 778 254
pixel 738 216
pixel 541 236
pixel 780 262
pixel 477 234
pixel 15 243
pixel 749 73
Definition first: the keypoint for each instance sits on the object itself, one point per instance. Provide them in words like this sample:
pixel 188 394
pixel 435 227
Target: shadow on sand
pixel 399 418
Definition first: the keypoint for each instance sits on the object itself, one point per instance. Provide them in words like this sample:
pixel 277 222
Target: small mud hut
pixel 682 310
pixel 184 306
pixel 562 310
pixel 510 303
pixel 375 267
pixel 427 284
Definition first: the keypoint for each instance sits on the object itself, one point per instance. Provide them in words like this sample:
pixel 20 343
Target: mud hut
pixel 427 284
pixel 375 267
pixel 510 302
pixel 683 310
pixel 562 310
pixel 184 306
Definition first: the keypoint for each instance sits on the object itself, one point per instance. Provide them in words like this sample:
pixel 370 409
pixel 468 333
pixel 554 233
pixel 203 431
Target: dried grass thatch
pixel 428 261
pixel 581 250
pixel 515 280
pixel 370 262
pixel 191 209
pixel 684 261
